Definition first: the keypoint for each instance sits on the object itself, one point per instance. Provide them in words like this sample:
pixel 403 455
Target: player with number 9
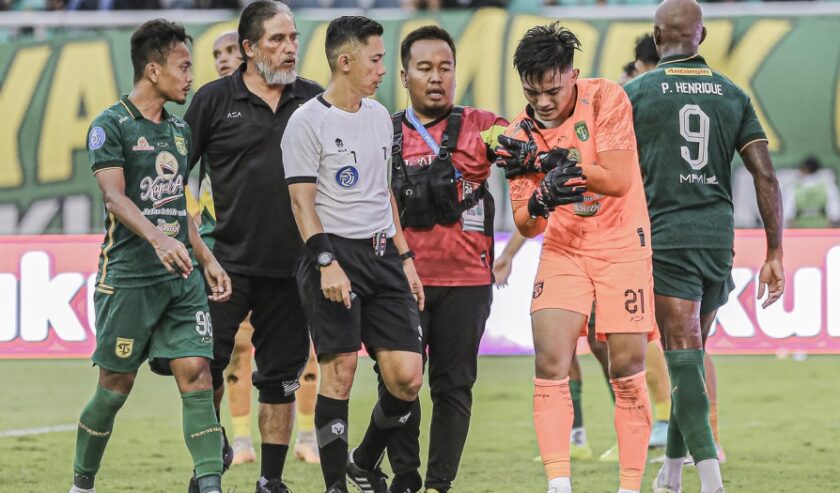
pixel 689 122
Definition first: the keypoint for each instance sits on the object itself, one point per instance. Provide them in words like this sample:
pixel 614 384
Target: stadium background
pixel 69 67
pixel 55 79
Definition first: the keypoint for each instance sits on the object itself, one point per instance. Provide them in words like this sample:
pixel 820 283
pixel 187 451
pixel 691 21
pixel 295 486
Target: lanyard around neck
pixel 421 129
pixel 428 139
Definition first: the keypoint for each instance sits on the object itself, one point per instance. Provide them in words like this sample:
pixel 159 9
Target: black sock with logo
pixel 331 431
pixel 388 415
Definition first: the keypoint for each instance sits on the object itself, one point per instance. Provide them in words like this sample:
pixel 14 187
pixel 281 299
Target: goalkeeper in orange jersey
pixel 574 174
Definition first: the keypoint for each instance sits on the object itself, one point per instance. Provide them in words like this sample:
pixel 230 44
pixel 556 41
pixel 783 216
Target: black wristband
pixel 318 244
pixel 407 255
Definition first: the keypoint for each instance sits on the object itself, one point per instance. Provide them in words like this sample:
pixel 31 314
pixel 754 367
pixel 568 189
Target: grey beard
pixel 275 77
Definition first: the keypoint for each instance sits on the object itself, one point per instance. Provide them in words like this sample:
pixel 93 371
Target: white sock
pixel 624 490
pixel 578 435
pixel 560 485
pixel 709 472
pixel 673 472
pixel 76 489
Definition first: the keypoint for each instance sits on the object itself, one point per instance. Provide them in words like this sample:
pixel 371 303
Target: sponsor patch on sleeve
pixel 96 138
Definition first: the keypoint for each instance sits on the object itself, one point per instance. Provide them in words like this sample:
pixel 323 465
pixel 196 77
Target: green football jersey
pixel 154 158
pixel 689 122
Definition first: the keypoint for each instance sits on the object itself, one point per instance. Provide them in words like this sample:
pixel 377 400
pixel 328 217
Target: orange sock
pixel 553 417
pixel 632 426
pixel 713 420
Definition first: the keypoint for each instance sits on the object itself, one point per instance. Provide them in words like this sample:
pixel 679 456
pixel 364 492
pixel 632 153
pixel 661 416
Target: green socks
pixel 576 388
pixel 203 434
pixel 675 443
pixel 95 425
pixel 690 406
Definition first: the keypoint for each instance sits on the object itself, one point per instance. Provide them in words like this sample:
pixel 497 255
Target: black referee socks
pixel 331 431
pixel 388 415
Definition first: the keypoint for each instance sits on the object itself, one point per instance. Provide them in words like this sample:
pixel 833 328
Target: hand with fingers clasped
pixel 557 189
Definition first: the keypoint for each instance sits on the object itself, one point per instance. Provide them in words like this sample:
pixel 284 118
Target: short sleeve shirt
pixel 689 122
pixel 457 254
pixel 610 228
pixel 154 158
pixel 348 156
pixel 237 136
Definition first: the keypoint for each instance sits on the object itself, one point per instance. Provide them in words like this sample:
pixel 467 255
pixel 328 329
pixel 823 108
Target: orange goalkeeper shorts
pixel 622 291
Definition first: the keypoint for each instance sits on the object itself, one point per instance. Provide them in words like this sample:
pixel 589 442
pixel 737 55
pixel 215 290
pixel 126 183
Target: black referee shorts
pixel 281 343
pixel 384 314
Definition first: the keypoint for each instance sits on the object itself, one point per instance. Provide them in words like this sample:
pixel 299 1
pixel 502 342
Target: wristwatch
pixel 407 255
pixel 325 258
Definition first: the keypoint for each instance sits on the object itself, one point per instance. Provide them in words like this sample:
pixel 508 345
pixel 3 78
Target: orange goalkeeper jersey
pixel 610 228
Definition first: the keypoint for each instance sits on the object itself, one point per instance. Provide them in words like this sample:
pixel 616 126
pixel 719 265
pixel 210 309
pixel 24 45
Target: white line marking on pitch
pixel 37 431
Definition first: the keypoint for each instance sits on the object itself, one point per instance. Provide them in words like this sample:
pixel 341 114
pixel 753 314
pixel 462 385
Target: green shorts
pixel 161 322
pixel 699 274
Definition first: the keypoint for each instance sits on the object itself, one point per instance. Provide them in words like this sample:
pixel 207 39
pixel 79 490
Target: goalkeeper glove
pixel 517 157
pixel 554 190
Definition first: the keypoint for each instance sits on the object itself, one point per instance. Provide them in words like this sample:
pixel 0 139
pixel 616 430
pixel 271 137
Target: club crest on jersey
pixel 538 290
pixel 181 145
pixel 142 145
pixel 124 347
pixel 347 177
pixel 96 138
pixel 581 131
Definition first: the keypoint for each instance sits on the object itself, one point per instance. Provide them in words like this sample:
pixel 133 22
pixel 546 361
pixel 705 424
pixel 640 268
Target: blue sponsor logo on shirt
pixel 96 139
pixel 347 177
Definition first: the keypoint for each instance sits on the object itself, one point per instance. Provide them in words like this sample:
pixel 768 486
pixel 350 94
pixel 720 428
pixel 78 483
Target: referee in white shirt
pixel 358 282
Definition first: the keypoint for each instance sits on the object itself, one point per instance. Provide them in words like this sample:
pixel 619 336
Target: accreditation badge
pixel 473 219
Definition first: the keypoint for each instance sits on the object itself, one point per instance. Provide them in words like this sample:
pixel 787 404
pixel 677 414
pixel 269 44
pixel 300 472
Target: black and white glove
pixel 555 158
pixel 554 190
pixel 515 156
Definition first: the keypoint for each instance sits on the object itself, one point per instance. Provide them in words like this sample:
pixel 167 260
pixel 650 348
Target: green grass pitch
pixel 780 426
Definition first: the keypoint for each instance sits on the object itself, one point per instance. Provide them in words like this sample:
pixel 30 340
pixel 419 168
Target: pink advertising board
pixel 46 289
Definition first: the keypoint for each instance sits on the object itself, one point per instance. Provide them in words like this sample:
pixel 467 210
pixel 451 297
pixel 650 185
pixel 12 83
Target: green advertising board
pixel 50 90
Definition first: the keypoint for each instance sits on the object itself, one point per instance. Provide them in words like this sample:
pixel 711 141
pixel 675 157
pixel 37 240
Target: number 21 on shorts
pixel 634 301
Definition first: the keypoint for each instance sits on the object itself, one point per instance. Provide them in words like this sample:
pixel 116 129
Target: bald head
pixel 678 27
pixel 226 54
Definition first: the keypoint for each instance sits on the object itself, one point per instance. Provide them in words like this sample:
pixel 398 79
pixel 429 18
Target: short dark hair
pixel 252 21
pixel 646 50
pixel 347 29
pixel 810 164
pixel 153 41
pixel 543 49
pixel 420 34
pixel 629 69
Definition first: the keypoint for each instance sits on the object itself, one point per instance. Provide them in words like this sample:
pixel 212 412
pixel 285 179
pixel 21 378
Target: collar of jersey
pixel 240 90
pixel 694 59
pixel 431 123
pixel 135 113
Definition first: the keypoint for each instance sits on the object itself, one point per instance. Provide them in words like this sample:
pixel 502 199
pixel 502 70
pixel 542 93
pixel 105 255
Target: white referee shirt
pixel 348 156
